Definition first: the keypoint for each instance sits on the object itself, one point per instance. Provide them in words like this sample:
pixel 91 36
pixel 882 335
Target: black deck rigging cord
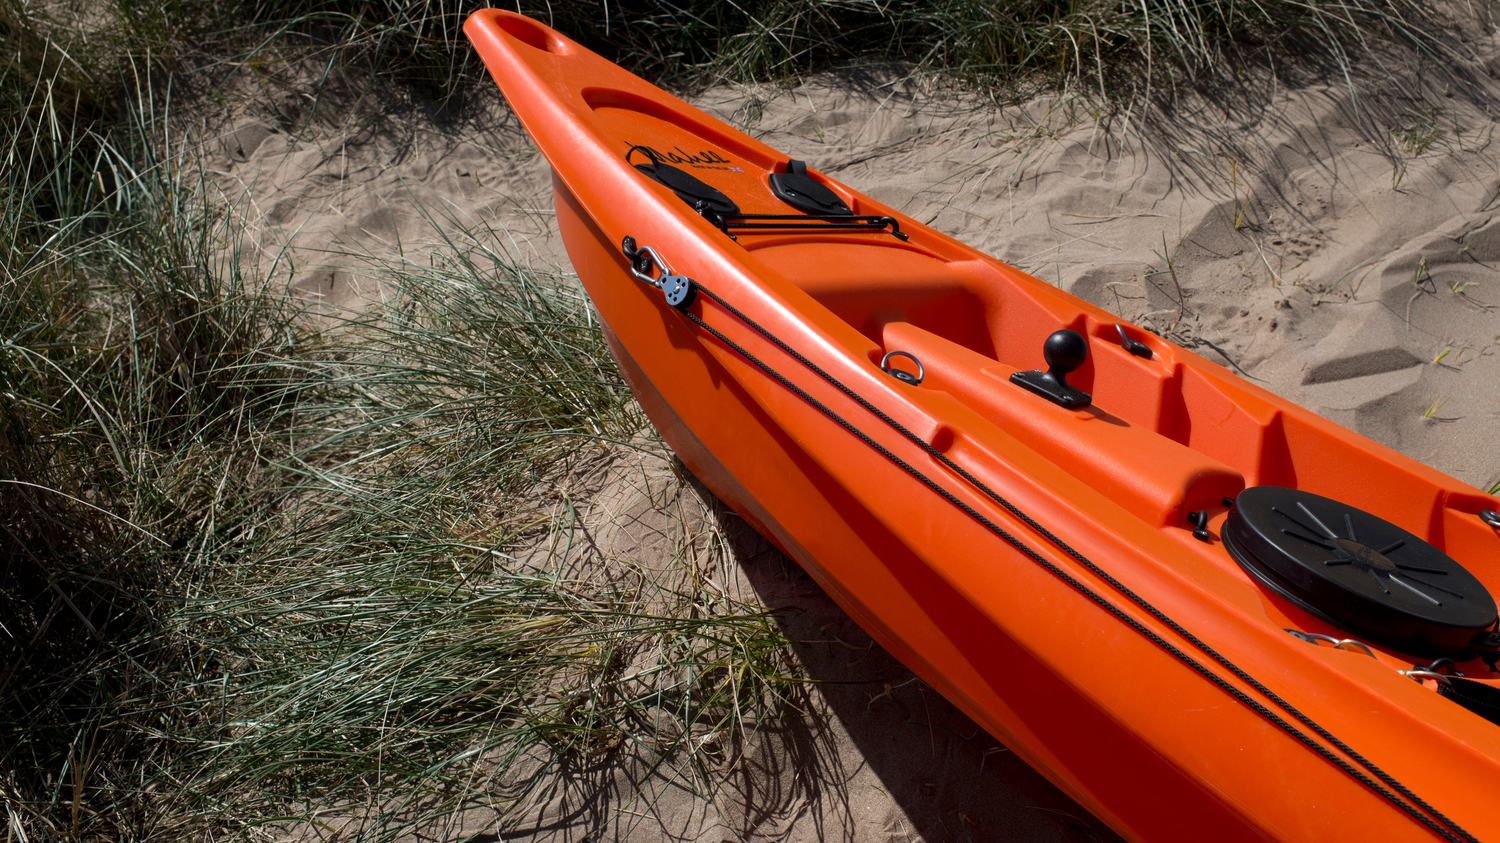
pixel 1453 832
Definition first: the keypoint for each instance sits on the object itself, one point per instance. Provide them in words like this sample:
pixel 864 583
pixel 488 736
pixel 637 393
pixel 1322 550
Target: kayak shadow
pixel 868 750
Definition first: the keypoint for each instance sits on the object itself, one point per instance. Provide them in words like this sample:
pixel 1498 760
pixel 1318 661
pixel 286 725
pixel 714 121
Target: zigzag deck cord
pixel 1432 818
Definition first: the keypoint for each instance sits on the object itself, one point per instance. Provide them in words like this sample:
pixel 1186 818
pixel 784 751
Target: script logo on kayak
pixel 705 159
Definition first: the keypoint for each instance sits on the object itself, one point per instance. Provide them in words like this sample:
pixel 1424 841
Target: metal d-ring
pixel 1338 643
pixel 899 374
pixel 1351 644
pixel 1419 675
pixel 1312 637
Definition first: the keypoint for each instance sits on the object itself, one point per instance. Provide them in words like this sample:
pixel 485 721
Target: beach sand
pixel 1339 251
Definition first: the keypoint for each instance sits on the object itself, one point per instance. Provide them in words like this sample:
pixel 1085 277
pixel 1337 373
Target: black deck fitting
pixel 1064 352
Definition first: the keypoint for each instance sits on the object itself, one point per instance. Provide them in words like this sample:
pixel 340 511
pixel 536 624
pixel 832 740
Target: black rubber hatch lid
pixel 1357 571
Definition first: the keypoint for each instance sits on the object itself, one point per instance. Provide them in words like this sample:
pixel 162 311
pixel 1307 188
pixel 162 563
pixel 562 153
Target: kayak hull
pixel 1059 671
pixel 729 441
pixel 1059 732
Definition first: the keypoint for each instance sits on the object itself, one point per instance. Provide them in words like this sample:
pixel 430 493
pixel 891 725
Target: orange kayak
pixel 1201 611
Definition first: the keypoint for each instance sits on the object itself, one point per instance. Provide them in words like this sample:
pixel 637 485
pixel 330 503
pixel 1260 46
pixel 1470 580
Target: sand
pixel 1340 252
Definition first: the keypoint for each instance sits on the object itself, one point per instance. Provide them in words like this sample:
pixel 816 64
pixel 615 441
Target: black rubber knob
pixel 1065 351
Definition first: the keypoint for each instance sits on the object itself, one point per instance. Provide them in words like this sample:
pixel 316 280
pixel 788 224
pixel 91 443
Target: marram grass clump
pixel 1118 45
pixel 411 613
pixel 258 564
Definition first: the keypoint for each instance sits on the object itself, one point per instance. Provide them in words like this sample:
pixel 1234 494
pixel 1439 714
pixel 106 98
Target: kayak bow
pixel 1194 606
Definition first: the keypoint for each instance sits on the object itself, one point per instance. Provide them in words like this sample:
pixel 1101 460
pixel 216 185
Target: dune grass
pixel 382 633
pixel 255 568
pixel 257 564
pixel 1116 45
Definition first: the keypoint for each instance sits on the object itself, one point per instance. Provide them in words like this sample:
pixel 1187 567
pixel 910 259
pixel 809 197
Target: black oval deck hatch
pixel 1357 571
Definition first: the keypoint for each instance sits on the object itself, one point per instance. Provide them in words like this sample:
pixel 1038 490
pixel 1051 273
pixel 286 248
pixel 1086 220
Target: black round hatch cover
pixel 1357 571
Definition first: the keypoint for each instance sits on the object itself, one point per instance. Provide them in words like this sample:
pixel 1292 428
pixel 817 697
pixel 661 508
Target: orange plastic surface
pixel 1150 746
